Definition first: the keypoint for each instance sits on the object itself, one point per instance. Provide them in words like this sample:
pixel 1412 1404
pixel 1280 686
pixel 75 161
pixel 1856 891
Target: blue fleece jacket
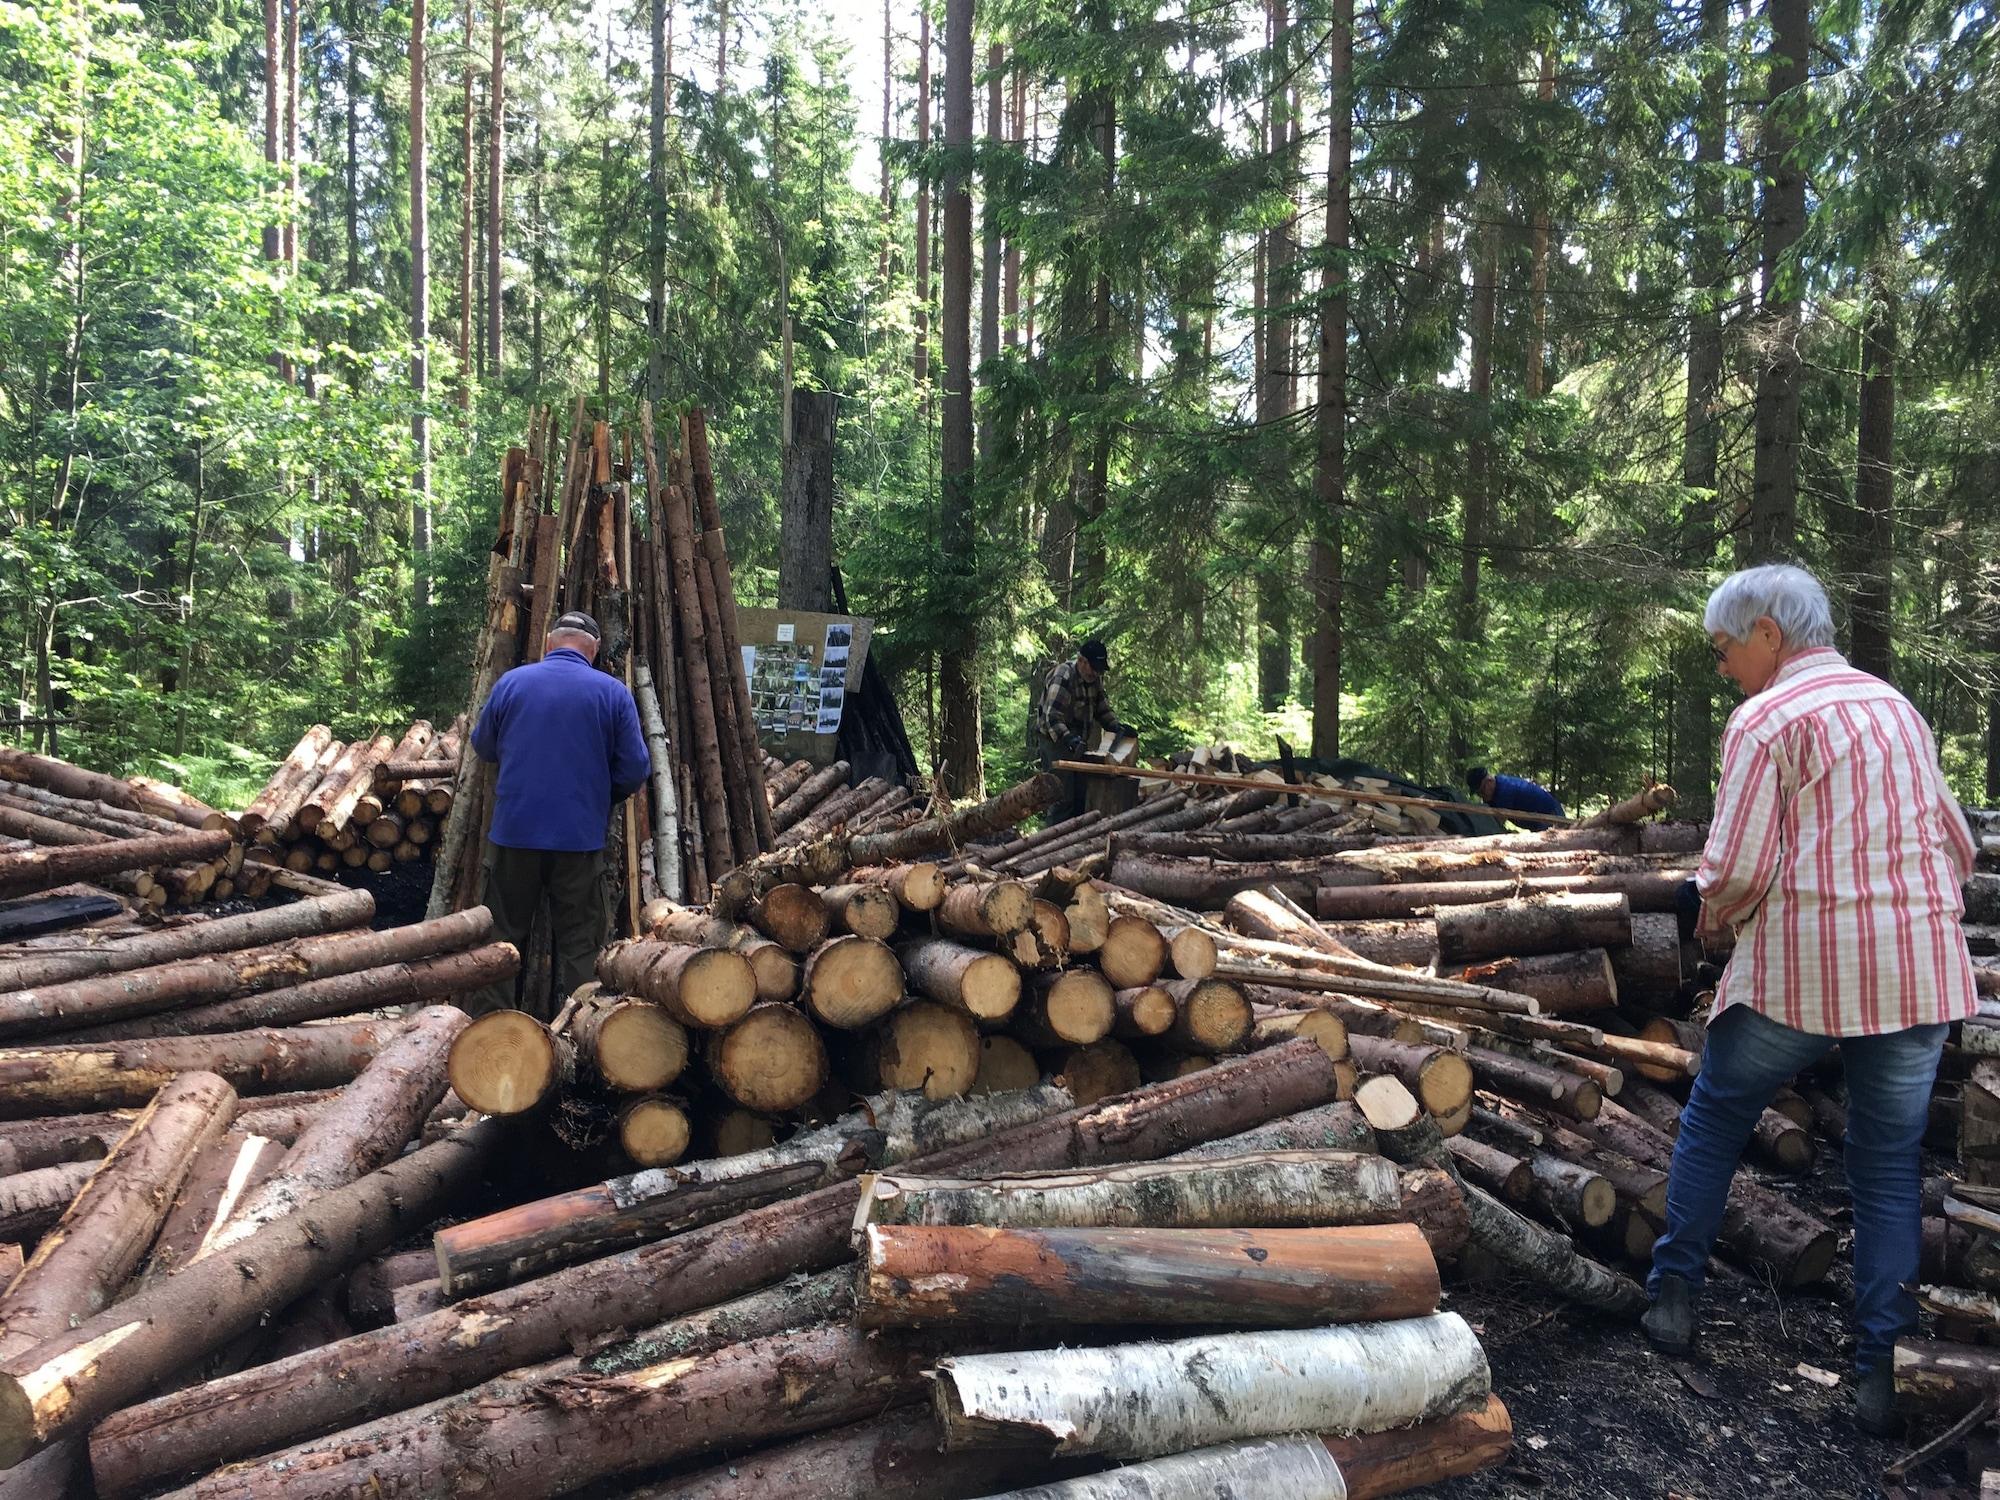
pixel 566 737
pixel 1522 795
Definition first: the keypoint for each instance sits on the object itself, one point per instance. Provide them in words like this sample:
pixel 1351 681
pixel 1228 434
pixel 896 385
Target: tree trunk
pixel 1441 1080
pixel 1563 984
pixel 496 200
pixel 1871 619
pixel 698 987
pixel 420 304
pixel 984 985
pixel 960 771
pixel 49 1392
pixel 393 1368
pixel 989 263
pixel 916 1277
pixel 467 177
pixel 1772 527
pixel 805 527
pixel 228 976
pixel 535 1237
pixel 1327 578
pixel 776 970
pixel 1548 924
pixel 1130 1400
pixel 40 869
pixel 921 355
pixel 42 1080
pixel 364 1128
pixel 1466 610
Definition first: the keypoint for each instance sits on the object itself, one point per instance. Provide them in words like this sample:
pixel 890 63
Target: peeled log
pixel 390 1369
pixel 929 1276
pixel 520 1242
pixel 365 1126
pixel 771 1061
pixel 851 981
pixel 57 1388
pixel 1542 924
pixel 986 986
pixel 1268 1190
pixel 1135 1400
pixel 43 867
pixel 103 1075
pixel 84 1002
pixel 1375 1464
pixel 1939 1373
pixel 700 987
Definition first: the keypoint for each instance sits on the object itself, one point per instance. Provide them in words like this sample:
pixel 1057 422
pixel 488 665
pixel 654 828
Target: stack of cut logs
pixel 370 803
pixel 141 838
pixel 1383 817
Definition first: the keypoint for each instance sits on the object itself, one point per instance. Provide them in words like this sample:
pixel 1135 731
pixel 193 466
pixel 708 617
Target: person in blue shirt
pixel 1512 794
pixel 567 740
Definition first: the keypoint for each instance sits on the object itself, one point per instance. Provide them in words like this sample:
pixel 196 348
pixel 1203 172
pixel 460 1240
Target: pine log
pixel 1646 891
pixel 302 761
pixel 32 1200
pixel 1149 1010
pixel 228 1168
pixel 1364 1017
pixel 840 810
pixel 1409 943
pixel 626 1046
pixel 1274 1027
pixel 260 1410
pixel 923 1045
pixel 699 987
pixel 534 1237
pixel 1440 1079
pixel 1231 845
pixel 1331 1127
pixel 925 1276
pixel 1005 1066
pixel 506 1063
pixel 1938 1373
pixel 228 976
pixel 1134 952
pixel 1190 952
pixel 980 910
pixel 1636 808
pixel 1358 978
pixel 1506 1176
pixel 427 980
pixel 777 971
pixel 11 1261
pixel 1207 884
pixel 338 803
pixel 1011 808
pixel 1098 1071
pixel 365 1127
pixel 1575 1195
pixel 1069 1009
pixel 654 1131
pixel 412 746
pixel 851 982
pixel 781 785
pixel 1084 907
pixel 1171 810
pixel 1132 1400
pixel 136 795
pixel 1211 1016
pixel 868 911
pixel 1375 1464
pixel 986 986
pixel 1543 924
pixel 41 868
pixel 918 887
pixel 772 1060
pixel 1565 984
pixel 1044 942
pixel 1533 1083
pixel 1779 1142
pixel 104 1075
pixel 1649 968
pixel 813 791
pixel 791 915
pixel 1661 1062
pixel 50 1392
pixel 312 810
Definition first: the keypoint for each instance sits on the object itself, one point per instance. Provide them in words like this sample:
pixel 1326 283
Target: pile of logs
pixel 367 804
pixel 141 839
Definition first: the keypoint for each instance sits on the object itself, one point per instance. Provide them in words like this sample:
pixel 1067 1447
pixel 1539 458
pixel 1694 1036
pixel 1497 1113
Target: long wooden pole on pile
pixel 1305 789
pixel 666 804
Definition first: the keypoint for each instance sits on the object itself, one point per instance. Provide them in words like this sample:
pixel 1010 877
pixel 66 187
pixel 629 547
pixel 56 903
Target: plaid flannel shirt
pixel 1837 856
pixel 1070 706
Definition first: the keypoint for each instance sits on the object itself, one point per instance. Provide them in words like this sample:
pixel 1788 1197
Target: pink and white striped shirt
pixel 1837 855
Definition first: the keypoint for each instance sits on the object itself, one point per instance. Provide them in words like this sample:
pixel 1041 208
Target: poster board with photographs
pixel 801 668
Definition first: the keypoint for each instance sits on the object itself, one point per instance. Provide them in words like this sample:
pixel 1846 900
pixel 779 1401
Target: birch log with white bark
pixel 1297 1468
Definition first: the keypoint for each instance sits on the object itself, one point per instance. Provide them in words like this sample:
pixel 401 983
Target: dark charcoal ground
pixel 1598 1413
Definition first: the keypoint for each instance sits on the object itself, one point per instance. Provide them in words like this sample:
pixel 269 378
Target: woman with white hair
pixel 1836 858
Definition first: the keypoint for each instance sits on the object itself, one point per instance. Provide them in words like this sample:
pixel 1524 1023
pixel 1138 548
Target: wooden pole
pixel 1303 789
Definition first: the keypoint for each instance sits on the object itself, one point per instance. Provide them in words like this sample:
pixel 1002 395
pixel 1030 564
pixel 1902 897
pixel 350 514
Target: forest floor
pixel 1598 1413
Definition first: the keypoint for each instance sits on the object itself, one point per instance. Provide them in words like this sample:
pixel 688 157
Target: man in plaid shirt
pixel 1836 857
pixel 1071 703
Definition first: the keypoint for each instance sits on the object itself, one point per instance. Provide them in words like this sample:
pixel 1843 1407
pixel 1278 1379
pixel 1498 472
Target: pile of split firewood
pixel 368 804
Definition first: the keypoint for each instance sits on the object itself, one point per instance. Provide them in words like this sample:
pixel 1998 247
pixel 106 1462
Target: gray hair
pixel 1791 596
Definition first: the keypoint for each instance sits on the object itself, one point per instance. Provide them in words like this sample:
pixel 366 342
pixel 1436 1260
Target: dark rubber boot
pixel 1875 1403
pixel 1669 1322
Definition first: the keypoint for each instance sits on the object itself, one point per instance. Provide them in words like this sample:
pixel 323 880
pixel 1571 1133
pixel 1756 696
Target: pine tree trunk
pixel 1875 485
pixel 1327 569
pixel 465 228
pixel 496 201
pixel 920 359
pixel 805 521
pixel 420 303
pixel 1773 521
pixel 960 770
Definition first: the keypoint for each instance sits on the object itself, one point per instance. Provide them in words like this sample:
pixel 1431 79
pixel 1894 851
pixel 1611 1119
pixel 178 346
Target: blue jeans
pixel 1749 1057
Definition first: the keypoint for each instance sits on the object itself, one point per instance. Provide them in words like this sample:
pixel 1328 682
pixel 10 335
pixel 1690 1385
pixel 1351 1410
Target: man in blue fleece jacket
pixel 566 738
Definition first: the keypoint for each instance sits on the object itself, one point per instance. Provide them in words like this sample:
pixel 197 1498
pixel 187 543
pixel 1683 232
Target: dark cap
pixel 576 619
pixel 1475 779
pixel 1093 652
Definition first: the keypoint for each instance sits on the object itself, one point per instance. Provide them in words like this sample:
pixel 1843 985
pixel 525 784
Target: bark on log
pixel 1940 1373
pixel 1331 1127
pixel 927 1276
pixel 699 987
pixel 78 1377
pixel 1211 1016
pixel 507 1063
pixel 1440 1079
pixel 1565 984
pixel 1544 924
pixel 1288 1189
pixel 851 982
pixel 982 910
pixel 520 1242
pixel 771 1061
pixel 428 981
pixel 1410 943
pixel 868 911
pixel 923 1045
pixel 92 786
pixel 368 1125
pixel 781 785
pixel 390 1369
pixel 102 1075
pixel 11 1261
pixel 1574 1195
pixel 986 986
pixel 32 1200
pixel 1375 1464
pixel 1207 884
pixel 41 868
pixel 1634 809
pixel 1537 1084
pixel 1070 1009
pixel 1296 1467
pixel 1649 968
pixel 791 915
pixel 626 1046
pixel 339 807
pixel 1247 846
pixel 777 971
pixel 1645 890
pixel 814 790
pixel 1011 808
pixel 918 887
pixel 80 1265
pixel 1132 1400
pixel 227 1169
pixel 84 1002
pixel 304 758
pixel 1505 1176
